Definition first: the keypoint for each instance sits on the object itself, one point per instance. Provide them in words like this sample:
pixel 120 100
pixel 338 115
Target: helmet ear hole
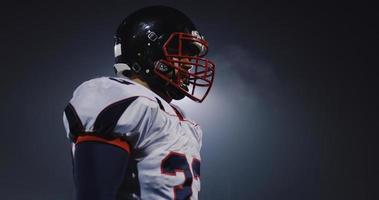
pixel 136 67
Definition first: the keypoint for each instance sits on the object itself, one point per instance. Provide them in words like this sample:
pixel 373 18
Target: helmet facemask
pixel 184 67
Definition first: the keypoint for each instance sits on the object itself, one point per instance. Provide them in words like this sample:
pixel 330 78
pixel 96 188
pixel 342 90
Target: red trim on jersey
pixel 116 142
pixel 180 116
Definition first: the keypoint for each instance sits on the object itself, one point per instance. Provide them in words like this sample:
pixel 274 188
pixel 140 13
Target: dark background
pixel 292 114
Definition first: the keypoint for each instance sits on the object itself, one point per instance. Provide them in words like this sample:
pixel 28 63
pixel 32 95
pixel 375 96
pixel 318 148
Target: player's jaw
pixel 182 77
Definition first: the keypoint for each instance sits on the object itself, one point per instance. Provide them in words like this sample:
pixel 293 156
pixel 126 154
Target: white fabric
pixel 151 132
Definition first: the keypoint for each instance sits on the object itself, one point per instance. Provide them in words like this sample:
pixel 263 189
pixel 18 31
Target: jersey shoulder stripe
pixel 74 123
pixel 107 119
pixel 100 105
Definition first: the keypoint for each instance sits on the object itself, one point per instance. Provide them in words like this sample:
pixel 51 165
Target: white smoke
pixel 242 81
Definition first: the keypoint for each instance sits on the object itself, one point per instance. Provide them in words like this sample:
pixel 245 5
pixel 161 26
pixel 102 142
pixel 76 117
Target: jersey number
pixel 176 162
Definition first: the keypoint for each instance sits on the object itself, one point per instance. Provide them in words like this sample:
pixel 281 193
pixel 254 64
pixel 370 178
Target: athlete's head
pixel 162 46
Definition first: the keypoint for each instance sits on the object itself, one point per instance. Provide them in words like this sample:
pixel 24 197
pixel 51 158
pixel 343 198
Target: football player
pixel 129 141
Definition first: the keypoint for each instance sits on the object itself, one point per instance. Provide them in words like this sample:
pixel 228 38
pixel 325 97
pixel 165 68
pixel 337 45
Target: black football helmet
pixel 162 45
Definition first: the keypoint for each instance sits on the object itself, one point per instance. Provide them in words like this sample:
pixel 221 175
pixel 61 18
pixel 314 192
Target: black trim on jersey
pixel 160 104
pixel 74 122
pixel 121 81
pixel 107 120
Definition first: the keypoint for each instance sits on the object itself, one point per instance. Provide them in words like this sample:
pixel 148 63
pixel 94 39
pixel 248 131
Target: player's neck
pixel 140 81
pixel 162 94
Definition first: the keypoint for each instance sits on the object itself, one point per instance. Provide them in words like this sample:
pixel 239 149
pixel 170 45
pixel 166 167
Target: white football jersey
pixel 164 144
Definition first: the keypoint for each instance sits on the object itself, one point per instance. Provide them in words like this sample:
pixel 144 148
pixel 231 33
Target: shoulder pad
pixel 98 104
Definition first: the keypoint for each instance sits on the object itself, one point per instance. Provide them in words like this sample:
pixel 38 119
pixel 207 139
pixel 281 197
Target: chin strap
pixel 174 93
pixel 123 69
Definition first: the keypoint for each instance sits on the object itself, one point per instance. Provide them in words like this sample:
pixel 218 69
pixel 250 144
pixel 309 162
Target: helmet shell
pixel 142 35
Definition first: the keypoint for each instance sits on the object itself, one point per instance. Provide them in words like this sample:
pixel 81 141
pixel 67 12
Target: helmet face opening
pixel 189 71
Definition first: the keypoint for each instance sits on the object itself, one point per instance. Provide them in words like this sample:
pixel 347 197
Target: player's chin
pixel 177 94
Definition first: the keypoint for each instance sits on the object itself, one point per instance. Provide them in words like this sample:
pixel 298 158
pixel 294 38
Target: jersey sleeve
pixel 110 109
